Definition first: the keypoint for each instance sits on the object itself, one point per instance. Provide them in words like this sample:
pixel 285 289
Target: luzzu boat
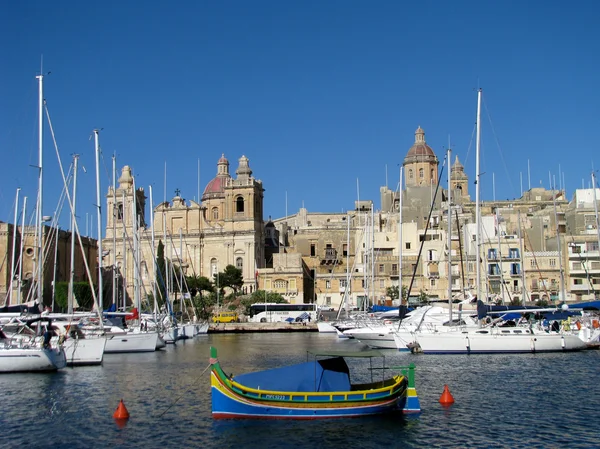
pixel 313 390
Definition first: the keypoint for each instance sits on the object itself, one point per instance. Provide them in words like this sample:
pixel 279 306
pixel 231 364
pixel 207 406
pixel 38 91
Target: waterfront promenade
pixel 240 328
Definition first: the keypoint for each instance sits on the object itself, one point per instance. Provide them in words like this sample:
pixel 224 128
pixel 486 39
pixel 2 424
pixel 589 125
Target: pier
pixel 239 328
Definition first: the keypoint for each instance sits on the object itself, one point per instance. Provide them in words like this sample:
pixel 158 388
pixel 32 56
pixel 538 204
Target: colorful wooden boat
pixel 317 389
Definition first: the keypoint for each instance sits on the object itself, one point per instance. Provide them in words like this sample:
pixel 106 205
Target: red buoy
pixel 121 411
pixel 446 397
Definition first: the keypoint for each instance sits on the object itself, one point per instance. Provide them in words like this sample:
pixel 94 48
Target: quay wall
pixel 217 328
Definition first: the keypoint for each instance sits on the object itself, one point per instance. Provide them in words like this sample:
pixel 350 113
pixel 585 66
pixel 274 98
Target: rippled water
pixel 525 400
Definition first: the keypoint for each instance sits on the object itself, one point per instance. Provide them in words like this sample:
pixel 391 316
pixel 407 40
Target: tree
pixel 423 298
pixel 393 292
pixel 232 277
pixel 161 271
pixel 198 284
pixel 81 290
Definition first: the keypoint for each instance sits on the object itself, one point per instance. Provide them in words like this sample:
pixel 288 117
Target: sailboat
pixel 492 338
pixel 23 350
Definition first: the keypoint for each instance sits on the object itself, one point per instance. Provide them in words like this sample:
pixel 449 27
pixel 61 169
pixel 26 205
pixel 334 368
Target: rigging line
pixel 500 150
pixel 412 279
pixel 470 144
pixel 108 175
pixel 537 266
pixel 71 208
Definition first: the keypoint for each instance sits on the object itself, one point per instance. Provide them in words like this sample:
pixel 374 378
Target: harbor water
pixel 525 400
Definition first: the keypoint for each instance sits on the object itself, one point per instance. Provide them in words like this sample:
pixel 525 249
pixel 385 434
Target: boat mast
pixel 136 262
pixel 523 288
pixel 39 219
pixel 500 254
pixel 560 265
pixel 477 206
pixel 400 245
pixel 14 244
pixel 595 211
pixel 124 265
pixel 99 216
pixel 72 268
pixel 449 155
pixel 19 281
pixel 153 254
pixel 115 211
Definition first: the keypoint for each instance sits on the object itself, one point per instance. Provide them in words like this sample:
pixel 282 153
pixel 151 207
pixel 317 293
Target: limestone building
pixel 225 228
pixel 56 261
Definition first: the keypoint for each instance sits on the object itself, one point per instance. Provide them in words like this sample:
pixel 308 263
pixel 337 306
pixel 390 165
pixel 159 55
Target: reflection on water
pixel 528 400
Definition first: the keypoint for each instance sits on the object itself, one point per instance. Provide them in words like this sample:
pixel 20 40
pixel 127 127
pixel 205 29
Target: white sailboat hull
pixel 171 335
pixel 131 342
pixel 202 329
pixel 476 342
pixel 18 360
pixel 85 351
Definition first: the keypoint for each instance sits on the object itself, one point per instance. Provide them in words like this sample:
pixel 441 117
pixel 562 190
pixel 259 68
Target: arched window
pixel 432 177
pixel 120 211
pixel 239 263
pixel 421 173
pixel 215 213
pixel 410 174
pixel 239 204
pixel 213 267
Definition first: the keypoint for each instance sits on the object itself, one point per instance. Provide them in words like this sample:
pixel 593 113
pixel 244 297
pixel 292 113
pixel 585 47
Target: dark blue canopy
pixel 316 376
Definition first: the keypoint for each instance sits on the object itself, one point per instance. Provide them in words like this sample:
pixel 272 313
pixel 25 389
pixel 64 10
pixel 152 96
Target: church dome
pixel 216 187
pixel 420 151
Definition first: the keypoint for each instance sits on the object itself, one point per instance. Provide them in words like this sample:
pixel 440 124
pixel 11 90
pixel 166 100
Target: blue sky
pixel 317 94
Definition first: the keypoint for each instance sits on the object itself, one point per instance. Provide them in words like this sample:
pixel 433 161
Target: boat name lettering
pixel 275 396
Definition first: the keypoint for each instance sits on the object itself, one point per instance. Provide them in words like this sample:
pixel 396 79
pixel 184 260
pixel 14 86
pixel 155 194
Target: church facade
pixel 225 228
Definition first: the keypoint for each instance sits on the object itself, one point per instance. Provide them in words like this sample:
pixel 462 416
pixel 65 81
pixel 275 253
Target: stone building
pixel 57 260
pixel 225 228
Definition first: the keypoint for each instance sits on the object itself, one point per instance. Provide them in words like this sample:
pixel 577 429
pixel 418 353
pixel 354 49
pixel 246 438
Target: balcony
pixel 583 287
pixel 331 257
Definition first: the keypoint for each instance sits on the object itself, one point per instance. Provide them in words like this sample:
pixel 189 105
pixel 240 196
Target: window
pixel 577 281
pixel 421 173
pixel 239 263
pixel 328 300
pixel 381 268
pixel 213 267
pixel 345 250
pixel 239 204
pixel 394 268
pixel 327 284
pixel 515 268
pixel 342 283
pixel 381 283
pixel 410 174
pixel 120 211
pixel 533 263
pixel 432 282
pixel 215 213
pixel 313 251
pixel 407 245
pixel 552 262
pixel 280 284
pixel 492 254
pixel 432 176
